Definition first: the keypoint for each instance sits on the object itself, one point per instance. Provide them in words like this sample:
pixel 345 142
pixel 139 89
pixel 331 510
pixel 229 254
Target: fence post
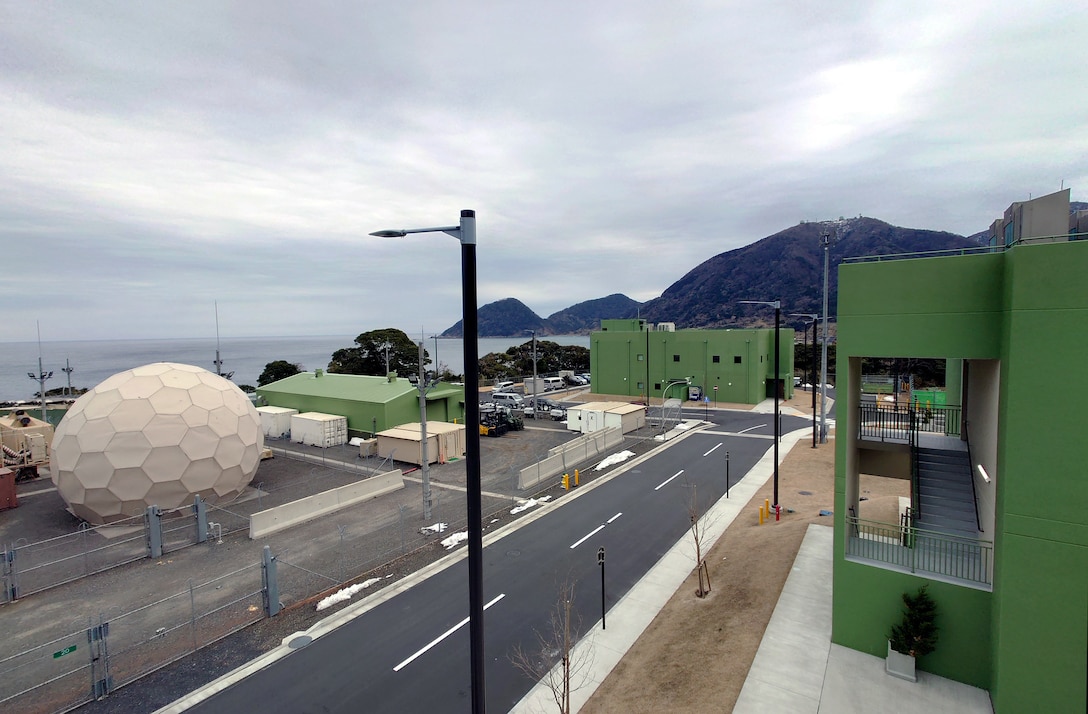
pixel 271 591
pixel 153 526
pixel 200 509
pixel 102 682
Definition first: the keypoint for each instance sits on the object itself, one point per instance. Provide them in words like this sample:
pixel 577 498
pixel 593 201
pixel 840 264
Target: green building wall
pixel 625 357
pixel 1028 308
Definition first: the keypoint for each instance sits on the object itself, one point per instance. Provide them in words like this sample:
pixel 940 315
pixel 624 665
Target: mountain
pixel 502 318
pixel 586 316
pixel 786 266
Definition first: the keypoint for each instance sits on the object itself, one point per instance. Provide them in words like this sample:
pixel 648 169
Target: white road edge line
pixel 670 478
pixel 745 431
pixel 714 449
pixel 614 517
pixel 443 636
pixel 587 536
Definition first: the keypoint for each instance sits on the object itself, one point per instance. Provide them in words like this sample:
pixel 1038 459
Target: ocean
pixel 94 361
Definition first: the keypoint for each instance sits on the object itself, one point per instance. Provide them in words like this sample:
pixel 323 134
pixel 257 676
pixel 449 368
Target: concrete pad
pixel 761 697
pixel 857 682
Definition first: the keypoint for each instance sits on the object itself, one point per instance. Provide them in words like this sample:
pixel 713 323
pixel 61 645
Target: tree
pixel 517 361
pixel 276 370
pixel 368 355
pixel 698 525
pixel 916 635
pixel 553 661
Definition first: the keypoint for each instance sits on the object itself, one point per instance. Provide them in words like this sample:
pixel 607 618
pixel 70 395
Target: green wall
pixel 1028 308
pixel 618 361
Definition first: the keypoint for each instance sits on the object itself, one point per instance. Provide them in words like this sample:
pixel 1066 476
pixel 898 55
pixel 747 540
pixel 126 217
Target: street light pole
pixel 465 232
pixel 435 338
pixel 536 404
pixel 777 305
pixel 425 462
pixel 823 369
pixel 812 387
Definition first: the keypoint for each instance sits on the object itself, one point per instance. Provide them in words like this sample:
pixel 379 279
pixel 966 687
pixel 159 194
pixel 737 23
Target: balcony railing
pixel 886 423
pixel 920 551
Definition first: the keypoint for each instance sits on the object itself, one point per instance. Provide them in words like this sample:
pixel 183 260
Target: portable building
pixel 318 429
pixel 276 421
pixel 593 416
pixel 403 443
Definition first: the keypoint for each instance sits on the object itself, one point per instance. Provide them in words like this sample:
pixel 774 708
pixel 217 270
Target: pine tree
pixel 916 635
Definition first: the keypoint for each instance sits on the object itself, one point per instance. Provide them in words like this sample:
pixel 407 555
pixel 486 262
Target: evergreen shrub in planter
pixel 914 636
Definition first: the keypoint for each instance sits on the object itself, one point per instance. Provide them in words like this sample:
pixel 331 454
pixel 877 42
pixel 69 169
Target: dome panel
pixel 140 387
pixel 195 416
pixel 201 475
pixel 223 422
pixel 131 484
pixel 229 452
pixel 180 379
pixel 132 414
pixel 166 463
pixel 170 400
pixel 94 436
pixel 200 443
pixel 152 370
pixel 127 448
pixel 103 403
pixel 93 470
pixel 206 396
pixel 166 430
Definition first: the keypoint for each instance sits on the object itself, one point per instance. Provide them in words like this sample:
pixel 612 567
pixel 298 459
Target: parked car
pixel 508 399
pixel 502 386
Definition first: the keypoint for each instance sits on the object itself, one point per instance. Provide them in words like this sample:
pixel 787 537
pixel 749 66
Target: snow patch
pixel 345 594
pixel 526 505
pixel 436 528
pixel 455 540
pixel 614 459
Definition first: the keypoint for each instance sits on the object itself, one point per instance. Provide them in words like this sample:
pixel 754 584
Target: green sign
pixel 67 650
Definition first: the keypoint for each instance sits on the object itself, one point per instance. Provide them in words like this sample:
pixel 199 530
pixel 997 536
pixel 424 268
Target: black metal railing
pixel 915 495
pixel 971 466
pixel 891 423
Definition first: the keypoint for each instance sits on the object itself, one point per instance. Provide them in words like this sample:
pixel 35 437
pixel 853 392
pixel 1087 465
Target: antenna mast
pixel 218 362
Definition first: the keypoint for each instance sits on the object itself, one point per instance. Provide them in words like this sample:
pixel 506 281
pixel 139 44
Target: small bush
pixel 916 635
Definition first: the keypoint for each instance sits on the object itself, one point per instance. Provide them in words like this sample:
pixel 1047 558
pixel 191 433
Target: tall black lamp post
pixel 813 318
pixel 777 305
pixel 465 232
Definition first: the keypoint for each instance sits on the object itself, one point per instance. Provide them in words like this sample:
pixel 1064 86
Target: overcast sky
pixel 157 157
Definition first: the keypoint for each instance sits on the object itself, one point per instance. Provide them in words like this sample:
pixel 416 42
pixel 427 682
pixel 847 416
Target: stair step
pixel 946 491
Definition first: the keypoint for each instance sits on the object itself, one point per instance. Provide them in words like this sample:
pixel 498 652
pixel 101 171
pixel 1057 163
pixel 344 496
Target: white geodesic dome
pixel 155 435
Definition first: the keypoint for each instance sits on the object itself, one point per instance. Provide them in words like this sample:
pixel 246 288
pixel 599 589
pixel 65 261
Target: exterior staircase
pixel 946 493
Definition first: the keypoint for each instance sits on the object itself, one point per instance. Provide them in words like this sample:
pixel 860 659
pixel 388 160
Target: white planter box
pixel 900 665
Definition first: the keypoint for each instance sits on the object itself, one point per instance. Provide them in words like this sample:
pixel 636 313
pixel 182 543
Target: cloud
pixel 160 157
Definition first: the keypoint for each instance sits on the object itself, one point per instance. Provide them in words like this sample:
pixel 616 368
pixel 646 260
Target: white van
pixel 508 399
pixel 552 383
pixel 502 386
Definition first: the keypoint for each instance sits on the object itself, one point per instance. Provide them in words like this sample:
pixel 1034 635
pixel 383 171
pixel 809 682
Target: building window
pixel 641 385
pixel 717 359
pixel 736 359
pixel 676 358
pixel 657 386
pixel 640 358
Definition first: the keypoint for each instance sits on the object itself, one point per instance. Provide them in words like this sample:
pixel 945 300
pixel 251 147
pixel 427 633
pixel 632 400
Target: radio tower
pixel 218 362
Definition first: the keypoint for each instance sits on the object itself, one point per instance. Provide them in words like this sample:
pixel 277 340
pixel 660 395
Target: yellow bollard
pixel 577 481
pixel 767 508
pixel 761 515
pixel 566 482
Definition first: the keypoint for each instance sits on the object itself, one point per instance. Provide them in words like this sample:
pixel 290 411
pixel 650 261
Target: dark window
pixel 657 386
pixel 736 359
pixel 641 385
pixel 717 359
pixel 676 358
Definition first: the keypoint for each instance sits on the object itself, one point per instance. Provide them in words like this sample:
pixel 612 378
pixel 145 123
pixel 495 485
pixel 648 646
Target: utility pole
pixel 42 375
pixel 67 369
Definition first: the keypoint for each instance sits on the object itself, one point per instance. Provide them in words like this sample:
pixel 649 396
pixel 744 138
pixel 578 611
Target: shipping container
pixel 276 421
pixel 318 429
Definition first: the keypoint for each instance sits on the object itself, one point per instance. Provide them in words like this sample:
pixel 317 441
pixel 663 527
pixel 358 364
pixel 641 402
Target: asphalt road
pixel 410 653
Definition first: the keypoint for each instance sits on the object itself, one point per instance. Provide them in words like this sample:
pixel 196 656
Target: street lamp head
pixel 390 234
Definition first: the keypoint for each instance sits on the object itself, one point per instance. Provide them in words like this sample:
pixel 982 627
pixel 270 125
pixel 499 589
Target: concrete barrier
pixel 565 457
pixel 273 520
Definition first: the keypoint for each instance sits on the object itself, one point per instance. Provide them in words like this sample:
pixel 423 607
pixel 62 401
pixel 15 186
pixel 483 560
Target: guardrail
pixel 564 457
pixel 921 551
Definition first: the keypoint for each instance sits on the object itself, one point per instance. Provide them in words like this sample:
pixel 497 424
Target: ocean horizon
pixel 93 361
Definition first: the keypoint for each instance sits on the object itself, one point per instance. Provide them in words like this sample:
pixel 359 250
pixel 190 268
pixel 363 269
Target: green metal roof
pixel 354 387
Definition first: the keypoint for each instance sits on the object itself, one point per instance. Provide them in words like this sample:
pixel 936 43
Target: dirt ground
pixel 695 655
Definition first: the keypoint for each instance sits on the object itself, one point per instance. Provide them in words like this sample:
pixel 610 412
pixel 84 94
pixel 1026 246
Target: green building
pixel 998 518
pixel 371 404
pixel 734 366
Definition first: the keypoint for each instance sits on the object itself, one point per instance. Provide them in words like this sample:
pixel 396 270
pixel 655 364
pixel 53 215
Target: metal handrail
pixel 970 250
pixel 915 496
pixel 919 549
pixel 971 467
